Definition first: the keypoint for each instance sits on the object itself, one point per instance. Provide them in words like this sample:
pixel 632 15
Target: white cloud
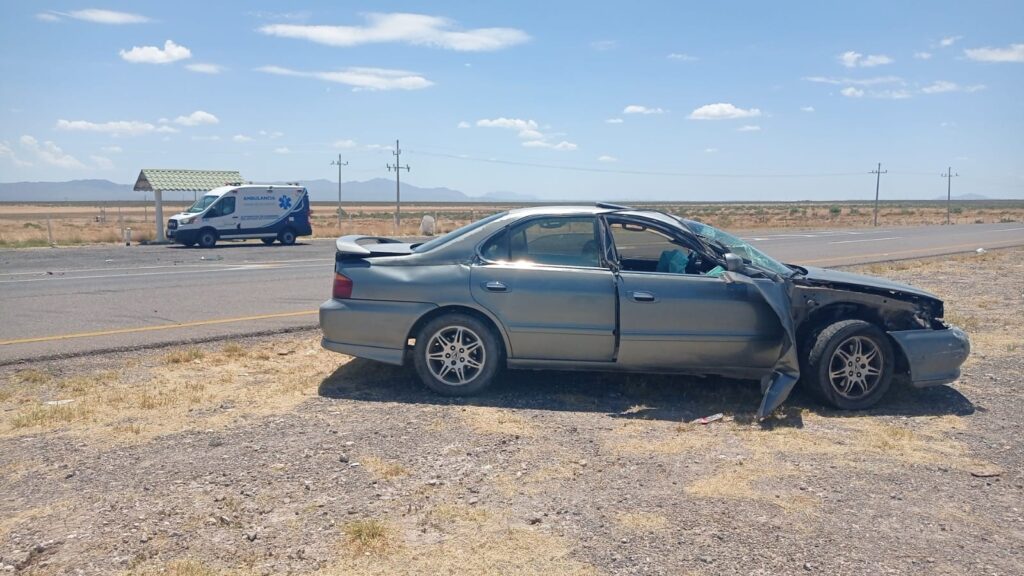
pixel 112 149
pixel 607 159
pixel 852 59
pixel 271 135
pixel 94 15
pixel 749 128
pixel 1012 53
pixel 563 145
pixel 940 86
pixel 102 162
pixel 49 153
pixel 530 134
pixel 613 121
pixel 711 150
pixel 603 45
pixel 464 124
pixel 206 138
pixel 116 128
pixel 807 108
pixel 205 68
pixel 852 92
pixel 171 52
pixel 415 29
pixel 344 144
pixel 682 57
pixel 855 81
pixel 197 118
pixel 377 147
pixel 282 150
pixel 949 41
pixel 638 109
pixel 511 123
pixel 241 138
pixel 7 152
pixel 722 111
pixel 922 55
pixel 360 78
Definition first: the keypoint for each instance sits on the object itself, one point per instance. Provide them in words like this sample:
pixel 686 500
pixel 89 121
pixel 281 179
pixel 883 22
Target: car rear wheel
pixel 207 238
pixel 287 237
pixel 851 364
pixel 267 241
pixel 456 355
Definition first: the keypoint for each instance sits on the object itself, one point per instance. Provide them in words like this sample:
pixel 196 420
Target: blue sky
pixel 562 100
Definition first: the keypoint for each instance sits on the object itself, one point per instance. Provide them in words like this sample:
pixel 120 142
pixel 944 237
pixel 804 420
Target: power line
pixel 949 175
pixel 878 181
pixel 627 172
pixel 397 167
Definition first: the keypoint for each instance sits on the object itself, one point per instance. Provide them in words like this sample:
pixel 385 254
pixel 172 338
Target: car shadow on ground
pixel 223 244
pixel 640 396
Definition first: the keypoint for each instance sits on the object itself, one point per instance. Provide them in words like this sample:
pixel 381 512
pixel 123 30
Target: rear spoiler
pixel 362 246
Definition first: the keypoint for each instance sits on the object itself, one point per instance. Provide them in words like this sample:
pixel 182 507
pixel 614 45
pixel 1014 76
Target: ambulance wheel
pixel 287 237
pixel 267 241
pixel 207 238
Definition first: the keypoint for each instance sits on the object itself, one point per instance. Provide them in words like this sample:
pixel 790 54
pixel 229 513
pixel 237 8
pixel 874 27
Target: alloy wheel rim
pixel 856 367
pixel 455 355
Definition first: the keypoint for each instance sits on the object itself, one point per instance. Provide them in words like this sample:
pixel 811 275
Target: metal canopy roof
pixel 160 180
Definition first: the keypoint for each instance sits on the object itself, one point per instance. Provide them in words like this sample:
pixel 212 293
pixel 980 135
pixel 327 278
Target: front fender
pixel 934 356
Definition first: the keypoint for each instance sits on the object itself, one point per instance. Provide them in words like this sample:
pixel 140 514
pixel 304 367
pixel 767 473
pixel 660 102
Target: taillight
pixel 342 286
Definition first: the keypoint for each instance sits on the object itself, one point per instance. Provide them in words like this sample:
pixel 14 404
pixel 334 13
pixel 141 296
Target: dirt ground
pixel 270 456
pixel 25 225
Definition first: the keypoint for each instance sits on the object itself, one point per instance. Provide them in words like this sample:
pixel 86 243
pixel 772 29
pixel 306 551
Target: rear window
pixel 458 232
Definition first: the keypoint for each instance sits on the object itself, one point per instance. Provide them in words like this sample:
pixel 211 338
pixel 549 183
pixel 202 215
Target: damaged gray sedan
pixel 609 287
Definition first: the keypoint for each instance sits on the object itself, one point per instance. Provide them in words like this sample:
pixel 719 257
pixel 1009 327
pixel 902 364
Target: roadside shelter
pixel 158 181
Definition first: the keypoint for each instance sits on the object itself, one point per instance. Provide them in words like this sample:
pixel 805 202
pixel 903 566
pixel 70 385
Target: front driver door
pixel 674 316
pixel 544 281
pixel 223 217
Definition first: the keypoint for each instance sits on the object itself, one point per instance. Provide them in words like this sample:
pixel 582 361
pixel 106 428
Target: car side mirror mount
pixel 733 262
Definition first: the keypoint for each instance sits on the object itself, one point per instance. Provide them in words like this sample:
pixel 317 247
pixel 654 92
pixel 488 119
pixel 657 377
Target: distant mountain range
pixel 375 190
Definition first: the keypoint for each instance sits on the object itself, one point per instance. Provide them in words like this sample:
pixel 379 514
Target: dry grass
pixel 641 522
pixel 233 351
pixel 488 420
pixel 369 536
pixel 183 356
pixel 383 469
pixel 168 393
pixel 32 376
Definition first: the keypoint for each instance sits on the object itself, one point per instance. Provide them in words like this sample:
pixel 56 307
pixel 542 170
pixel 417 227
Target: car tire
pixel 457 355
pixel 850 365
pixel 267 241
pixel 207 238
pixel 287 237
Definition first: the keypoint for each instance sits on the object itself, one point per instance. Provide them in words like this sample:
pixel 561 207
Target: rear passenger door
pixel 544 281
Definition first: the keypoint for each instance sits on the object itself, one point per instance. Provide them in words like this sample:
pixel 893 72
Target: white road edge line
pixel 240 268
pixel 865 240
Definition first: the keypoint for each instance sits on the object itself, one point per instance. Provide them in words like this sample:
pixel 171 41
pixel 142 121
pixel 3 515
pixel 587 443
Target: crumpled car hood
pixel 824 275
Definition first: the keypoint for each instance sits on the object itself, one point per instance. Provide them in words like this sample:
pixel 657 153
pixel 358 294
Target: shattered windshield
pixel 201 204
pixel 738 247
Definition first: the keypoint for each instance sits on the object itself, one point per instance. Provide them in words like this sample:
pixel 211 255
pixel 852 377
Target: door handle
pixel 642 296
pixel 495 286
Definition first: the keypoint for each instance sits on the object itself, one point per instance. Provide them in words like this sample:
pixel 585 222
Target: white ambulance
pixel 267 212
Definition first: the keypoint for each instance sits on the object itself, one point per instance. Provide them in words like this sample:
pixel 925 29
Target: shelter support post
pixel 159 216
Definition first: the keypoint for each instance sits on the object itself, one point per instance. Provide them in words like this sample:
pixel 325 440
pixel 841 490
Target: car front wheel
pixel 456 355
pixel 851 364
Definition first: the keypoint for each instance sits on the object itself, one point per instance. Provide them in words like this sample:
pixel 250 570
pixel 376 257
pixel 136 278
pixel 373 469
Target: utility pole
pixel 878 181
pixel 397 167
pixel 339 164
pixel 949 175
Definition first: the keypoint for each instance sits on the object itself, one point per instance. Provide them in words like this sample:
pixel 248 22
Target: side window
pixel 643 249
pixel 227 205
pixel 496 248
pixel 560 241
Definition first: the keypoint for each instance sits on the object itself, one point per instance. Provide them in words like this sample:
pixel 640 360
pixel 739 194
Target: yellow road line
pixel 835 259
pixel 155 328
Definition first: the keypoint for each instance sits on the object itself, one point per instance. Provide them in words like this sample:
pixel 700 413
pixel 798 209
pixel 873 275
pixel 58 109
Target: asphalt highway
pixel 65 301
